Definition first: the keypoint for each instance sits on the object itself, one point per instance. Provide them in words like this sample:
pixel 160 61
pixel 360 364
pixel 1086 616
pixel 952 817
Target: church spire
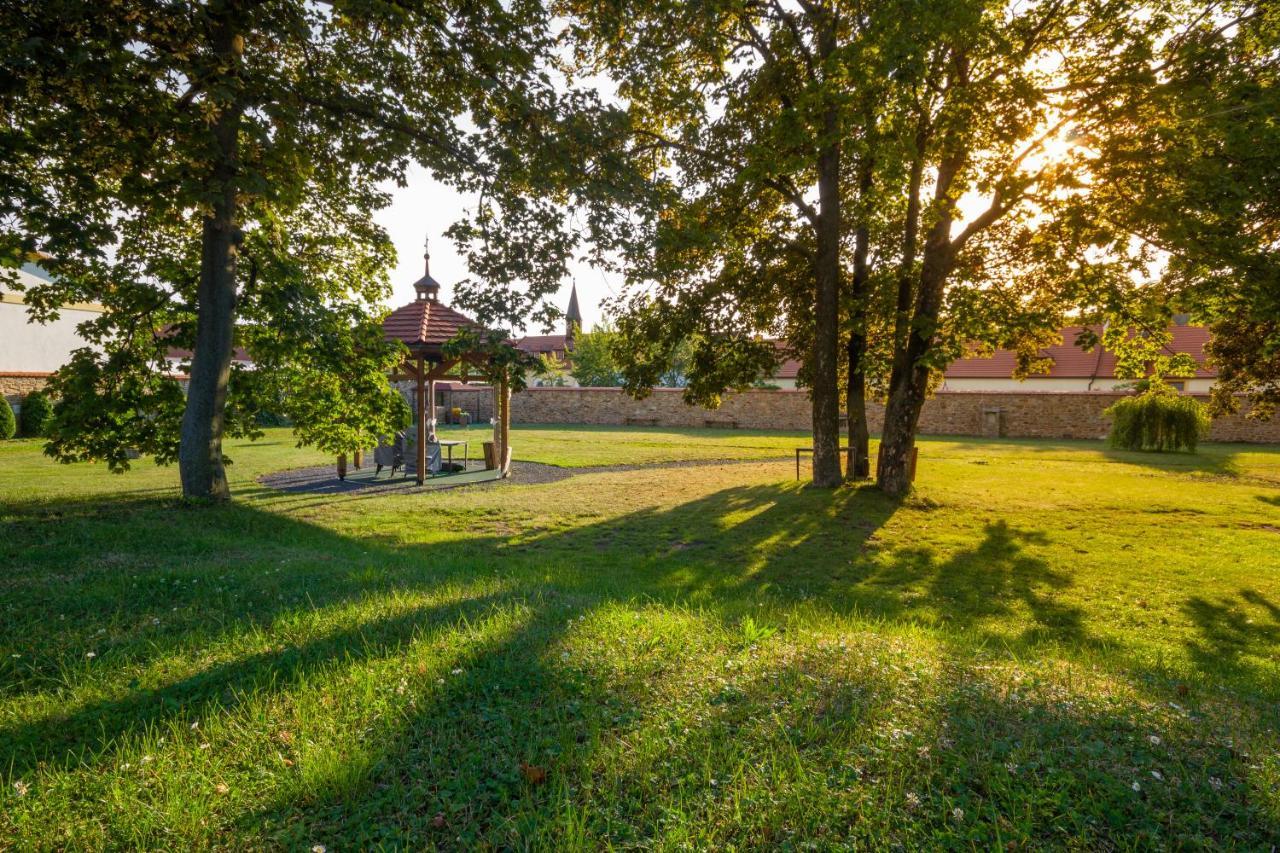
pixel 572 317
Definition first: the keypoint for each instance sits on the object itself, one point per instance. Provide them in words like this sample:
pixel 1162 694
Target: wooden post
pixel 342 466
pixel 504 461
pixel 497 429
pixel 431 406
pixel 422 421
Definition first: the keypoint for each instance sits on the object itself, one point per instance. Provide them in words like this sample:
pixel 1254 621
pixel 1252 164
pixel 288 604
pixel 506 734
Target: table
pixel 451 444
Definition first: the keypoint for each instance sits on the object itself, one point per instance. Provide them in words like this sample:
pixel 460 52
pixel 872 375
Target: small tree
pixel 551 370
pixel 8 426
pixel 594 364
pixel 36 415
pixel 1158 419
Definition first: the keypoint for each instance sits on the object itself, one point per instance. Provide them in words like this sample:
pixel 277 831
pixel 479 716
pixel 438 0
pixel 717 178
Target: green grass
pixel 1049 644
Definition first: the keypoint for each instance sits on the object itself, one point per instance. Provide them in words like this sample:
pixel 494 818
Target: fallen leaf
pixel 533 774
pixel 438 821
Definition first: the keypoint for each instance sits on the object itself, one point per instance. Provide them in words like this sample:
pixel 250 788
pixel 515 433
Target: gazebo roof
pixel 425 324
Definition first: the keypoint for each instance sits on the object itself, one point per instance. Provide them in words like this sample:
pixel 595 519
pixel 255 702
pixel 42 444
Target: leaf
pixel 533 774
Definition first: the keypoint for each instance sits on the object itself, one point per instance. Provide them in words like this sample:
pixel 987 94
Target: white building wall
pixel 30 347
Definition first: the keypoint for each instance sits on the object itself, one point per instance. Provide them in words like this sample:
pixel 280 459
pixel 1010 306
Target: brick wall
pixel 1027 414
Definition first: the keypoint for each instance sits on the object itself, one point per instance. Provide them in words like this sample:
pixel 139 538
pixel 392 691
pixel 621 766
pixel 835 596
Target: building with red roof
pixel 1073 368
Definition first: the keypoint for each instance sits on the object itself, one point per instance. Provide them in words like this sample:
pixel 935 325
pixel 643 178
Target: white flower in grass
pixel 146 759
pixel 1155 739
pixel 1155 774
pixel 318 848
pixel 1215 783
pixel 457 671
pixel 1136 786
pixel 957 814
pixel 91 655
pixel 913 800
pixel 21 788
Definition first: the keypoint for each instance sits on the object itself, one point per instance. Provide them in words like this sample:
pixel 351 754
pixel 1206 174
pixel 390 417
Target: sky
pixel 425 208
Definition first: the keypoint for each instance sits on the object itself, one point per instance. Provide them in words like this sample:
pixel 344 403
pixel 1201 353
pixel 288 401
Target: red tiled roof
pixel 1072 362
pixel 543 343
pixel 424 324
pixel 788 368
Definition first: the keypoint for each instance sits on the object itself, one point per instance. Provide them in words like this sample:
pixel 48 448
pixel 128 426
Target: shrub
pixel 1157 420
pixel 8 425
pixel 37 413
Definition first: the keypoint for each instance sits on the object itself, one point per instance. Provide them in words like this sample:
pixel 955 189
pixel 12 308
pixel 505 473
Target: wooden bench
pixel 723 423
pixel 642 422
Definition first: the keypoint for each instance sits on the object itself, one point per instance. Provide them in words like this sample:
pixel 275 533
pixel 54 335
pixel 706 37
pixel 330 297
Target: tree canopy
pixel 208 173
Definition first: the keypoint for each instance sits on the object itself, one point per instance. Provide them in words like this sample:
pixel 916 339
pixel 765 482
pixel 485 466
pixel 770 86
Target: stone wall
pixel 15 386
pixel 1028 414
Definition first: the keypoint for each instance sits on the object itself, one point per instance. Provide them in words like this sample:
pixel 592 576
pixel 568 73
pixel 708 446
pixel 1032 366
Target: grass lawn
pixel 1049 644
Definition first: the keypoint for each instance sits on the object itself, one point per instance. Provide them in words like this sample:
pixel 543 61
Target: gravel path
pixel 323 480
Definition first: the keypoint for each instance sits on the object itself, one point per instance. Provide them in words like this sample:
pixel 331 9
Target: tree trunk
pixel 911 384
pixel 825 393
pixel 200 450
pixel 858 464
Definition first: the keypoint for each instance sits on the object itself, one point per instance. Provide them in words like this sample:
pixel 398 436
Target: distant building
pixel 559 347
pixel 1073 369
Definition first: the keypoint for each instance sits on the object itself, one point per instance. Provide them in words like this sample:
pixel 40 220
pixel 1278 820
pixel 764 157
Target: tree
pixel 8 423
pixel 208 173
pixel 593 363
pixel 994 245
pixel 735 111
pixel 36 414
pixel 550 370
pixel 1188 166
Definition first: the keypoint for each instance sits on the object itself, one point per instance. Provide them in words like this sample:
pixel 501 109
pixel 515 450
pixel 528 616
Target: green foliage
pixel 37 415
pixel 1157 420
pixel 217 167
pixel 1188 160
pixel 8 423
pixel 491 353
pixel 595 362
pixel 551 371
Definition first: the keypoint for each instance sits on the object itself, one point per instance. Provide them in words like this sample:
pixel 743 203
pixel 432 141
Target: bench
pixel 642 422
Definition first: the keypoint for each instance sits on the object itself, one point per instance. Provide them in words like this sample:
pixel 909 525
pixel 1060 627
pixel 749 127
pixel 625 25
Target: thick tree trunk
pixel 910 385
pixel 200 450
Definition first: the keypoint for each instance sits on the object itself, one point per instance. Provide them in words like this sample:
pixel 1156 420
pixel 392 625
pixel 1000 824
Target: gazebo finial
pixel 427 287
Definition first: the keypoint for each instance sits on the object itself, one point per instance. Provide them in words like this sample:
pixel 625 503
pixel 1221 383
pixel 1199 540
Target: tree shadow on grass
pixel 1237 636
pixel 459 752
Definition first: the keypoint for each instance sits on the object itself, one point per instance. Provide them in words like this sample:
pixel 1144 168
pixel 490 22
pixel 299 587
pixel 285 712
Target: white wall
pixel 33 347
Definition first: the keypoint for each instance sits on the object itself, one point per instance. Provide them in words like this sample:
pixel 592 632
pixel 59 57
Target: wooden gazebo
pixel 424 326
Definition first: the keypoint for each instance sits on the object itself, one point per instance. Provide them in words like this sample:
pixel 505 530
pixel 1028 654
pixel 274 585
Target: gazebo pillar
pixel 504 426
pixel 431 406
pixel 421 444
